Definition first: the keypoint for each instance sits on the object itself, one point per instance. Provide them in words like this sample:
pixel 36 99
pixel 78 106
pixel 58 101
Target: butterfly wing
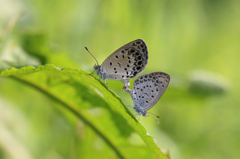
pixel 127 61
pixel 149 88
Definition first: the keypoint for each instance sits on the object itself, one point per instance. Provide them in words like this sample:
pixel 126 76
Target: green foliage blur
pixel 195 42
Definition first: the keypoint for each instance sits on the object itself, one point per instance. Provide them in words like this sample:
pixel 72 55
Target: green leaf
pixel 93 103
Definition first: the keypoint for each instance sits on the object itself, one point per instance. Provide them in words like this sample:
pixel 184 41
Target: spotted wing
pixel 127 61
pixel 149 88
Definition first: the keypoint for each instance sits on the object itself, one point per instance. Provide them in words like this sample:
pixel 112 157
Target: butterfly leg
pixel 140 117
pixel 106 82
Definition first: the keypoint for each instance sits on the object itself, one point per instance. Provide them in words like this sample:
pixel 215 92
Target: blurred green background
pixel 196 42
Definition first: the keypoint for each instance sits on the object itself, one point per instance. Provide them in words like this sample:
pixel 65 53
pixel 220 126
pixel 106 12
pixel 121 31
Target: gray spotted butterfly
pixel 126 62
pixel 147 90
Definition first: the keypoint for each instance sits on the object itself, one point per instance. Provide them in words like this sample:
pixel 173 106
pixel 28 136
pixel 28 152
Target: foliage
pixel 91 102
pixel 195 42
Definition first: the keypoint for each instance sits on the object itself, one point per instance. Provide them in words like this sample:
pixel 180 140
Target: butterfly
pixel 125 63
pixel 147 90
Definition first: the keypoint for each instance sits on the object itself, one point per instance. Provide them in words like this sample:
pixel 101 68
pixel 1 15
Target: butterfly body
pixel 147 90
pixel 100 73
pixel 124 63
pixel 139 109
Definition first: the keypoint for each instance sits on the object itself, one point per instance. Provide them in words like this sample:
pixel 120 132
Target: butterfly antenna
pixel 91 54
pixel 154 118
pixel 153 114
